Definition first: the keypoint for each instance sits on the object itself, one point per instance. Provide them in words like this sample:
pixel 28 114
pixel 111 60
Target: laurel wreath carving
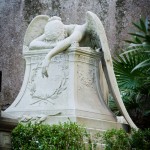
pixel 46 98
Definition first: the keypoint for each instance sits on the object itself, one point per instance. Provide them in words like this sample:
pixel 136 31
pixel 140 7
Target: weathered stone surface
pixel 11 40
pixel 15 15
pixel 127 12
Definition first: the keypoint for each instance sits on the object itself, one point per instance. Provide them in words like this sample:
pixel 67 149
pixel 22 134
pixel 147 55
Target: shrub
pixel 141 139
pixel 120 140
pixel 67 136
pixel 71 136
pixel 116 140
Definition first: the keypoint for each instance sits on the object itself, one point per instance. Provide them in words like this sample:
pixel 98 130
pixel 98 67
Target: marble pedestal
pixel 72 90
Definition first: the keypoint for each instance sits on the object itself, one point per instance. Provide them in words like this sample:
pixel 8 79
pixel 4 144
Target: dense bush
pixel 120 140
pixel 71 136
pixel 141 139
pixel 116 140
pixel 67 136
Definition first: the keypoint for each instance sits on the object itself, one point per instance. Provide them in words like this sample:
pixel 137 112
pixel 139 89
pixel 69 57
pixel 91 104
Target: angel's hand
pixel 45 65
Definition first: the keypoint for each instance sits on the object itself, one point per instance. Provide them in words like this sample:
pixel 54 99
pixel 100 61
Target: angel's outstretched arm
pixel 76 35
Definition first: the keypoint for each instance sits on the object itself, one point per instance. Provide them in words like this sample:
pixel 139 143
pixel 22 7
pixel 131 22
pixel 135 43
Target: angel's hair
pixel 54 18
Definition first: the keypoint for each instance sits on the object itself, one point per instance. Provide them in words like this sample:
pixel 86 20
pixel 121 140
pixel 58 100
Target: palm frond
pixel 138 34
pixel 144 63
pixel 132 69
pixel 123 67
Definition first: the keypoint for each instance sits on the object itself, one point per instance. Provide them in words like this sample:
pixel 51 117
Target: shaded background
pixel 15 15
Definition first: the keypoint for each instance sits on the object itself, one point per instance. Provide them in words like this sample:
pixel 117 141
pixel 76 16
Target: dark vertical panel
pixel 0 81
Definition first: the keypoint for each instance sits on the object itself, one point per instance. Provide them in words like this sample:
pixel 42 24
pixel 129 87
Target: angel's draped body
pixel 55 32
pixel 57 37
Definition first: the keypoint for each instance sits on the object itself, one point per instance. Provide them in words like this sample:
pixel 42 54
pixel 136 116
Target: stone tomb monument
pixel 62 76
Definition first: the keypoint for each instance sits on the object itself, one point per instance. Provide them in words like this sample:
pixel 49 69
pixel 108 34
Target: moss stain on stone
pixel 119 16
pixel 56 7
pixel 32 8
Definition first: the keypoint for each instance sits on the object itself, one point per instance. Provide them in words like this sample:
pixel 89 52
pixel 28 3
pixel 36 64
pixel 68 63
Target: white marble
pixel 62 78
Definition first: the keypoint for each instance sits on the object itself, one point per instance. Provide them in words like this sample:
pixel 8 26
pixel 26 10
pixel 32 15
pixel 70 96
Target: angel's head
pixel 54 29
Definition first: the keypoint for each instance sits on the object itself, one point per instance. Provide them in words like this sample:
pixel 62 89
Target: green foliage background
pixel 132 69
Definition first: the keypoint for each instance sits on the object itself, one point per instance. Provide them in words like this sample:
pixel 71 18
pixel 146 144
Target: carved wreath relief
pixel 54 85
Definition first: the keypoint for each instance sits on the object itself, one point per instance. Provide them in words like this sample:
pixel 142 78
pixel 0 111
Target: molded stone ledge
pixel 6 126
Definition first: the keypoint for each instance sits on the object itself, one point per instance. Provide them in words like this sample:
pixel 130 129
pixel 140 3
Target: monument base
pixel 72 91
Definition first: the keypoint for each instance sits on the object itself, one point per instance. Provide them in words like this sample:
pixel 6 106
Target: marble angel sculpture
pixel 58 37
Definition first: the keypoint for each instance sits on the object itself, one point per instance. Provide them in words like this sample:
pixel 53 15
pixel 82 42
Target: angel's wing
pixel 35 29
pixel 96 28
